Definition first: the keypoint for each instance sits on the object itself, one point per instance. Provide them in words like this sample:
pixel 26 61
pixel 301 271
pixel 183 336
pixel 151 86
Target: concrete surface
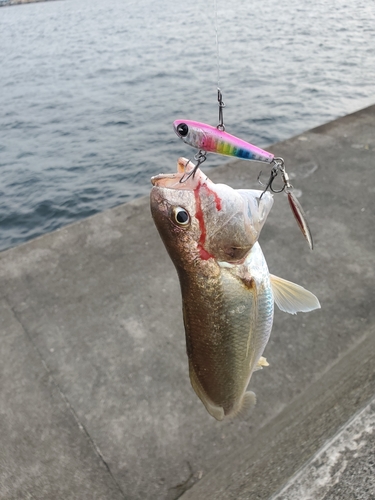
pixel 95 397
pixel 343 468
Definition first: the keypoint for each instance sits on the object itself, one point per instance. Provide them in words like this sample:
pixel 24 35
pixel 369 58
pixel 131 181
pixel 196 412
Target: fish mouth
pixel 165 180
pixel 175 180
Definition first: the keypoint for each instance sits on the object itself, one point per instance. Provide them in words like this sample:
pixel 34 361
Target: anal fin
pixel 248 400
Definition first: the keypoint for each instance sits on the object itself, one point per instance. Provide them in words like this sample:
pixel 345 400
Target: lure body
pixel 212 140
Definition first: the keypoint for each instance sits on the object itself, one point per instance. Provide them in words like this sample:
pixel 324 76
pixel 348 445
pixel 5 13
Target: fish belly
pixel 228 320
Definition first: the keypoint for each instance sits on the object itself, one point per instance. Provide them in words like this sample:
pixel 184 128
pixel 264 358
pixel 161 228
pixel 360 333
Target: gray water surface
pixel 89 90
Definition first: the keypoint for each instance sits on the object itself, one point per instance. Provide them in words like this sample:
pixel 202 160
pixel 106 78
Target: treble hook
pixel 267 186
pixel 278 167
pixel 294 204
pixel 221 125
pixel 199 157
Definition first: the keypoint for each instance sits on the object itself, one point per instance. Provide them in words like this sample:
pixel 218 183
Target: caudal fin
pixel 214 410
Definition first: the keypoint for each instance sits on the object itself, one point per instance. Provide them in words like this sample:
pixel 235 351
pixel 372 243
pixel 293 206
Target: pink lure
pixel 212 140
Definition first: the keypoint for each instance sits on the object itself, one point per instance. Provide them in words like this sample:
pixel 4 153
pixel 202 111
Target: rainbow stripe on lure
pixel 212 140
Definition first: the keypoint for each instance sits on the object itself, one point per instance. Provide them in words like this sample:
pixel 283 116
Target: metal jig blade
pixel 300 217
pixel 295 205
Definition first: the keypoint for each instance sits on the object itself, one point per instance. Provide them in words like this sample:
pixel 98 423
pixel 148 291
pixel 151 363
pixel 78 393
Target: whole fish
pixel 212 140
pixel 210 232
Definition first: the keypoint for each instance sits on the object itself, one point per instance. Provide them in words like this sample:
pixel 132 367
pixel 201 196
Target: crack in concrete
pixel 81 427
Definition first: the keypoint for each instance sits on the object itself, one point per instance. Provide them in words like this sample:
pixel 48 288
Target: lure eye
pixel 182 129
pixel 181 216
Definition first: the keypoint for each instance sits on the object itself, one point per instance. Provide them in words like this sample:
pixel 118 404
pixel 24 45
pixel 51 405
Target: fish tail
pixel 214 410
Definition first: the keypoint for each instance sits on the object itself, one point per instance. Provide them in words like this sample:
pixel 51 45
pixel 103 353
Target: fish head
pixel 173 210
pixel 198 219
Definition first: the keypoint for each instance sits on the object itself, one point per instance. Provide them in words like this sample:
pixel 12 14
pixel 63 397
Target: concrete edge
pixel 316 474
pixel 289 441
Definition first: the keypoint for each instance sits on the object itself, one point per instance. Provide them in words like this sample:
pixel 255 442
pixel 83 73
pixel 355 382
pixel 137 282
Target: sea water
pixel 89 90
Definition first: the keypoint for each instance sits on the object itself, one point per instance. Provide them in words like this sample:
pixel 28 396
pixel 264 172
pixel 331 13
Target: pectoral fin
pixel 292 298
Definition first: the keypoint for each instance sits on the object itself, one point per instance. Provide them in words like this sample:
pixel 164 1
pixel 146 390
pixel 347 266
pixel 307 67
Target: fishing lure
pixel 209 139
pixel 214 140
pixel 294 204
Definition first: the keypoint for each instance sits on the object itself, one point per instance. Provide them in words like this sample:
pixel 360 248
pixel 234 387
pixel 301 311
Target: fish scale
pixel 210 232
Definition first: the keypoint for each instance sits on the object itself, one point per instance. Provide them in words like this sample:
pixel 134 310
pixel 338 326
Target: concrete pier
pixel 95 398
pixel 8 3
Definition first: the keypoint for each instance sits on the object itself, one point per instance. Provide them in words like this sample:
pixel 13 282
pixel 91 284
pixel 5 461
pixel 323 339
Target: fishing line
pixel 217 47
pixel 215 140
pixel 220 125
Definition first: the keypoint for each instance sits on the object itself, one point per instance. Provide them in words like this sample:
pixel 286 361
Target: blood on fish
pixel 199 215
pixel 204 254
pixel 215 195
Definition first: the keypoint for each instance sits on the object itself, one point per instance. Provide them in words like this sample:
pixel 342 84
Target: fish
pixel 212 140
pixel 211 233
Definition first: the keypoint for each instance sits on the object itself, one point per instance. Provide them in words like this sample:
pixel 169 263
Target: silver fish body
pixel 228 318
pixel 210 232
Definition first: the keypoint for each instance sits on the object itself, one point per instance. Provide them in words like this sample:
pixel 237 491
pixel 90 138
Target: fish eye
pixel 182 129
pixel 181 216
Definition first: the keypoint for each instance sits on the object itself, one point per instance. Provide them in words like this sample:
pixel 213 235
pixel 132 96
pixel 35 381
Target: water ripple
pixel 89 91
